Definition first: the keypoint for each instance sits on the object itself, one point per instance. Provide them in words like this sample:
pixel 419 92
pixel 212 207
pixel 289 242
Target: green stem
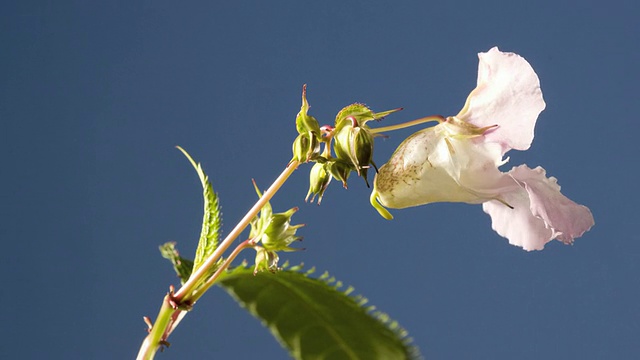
pixel 423 120
pixel 243 245
pixel 153 341
pixel 168 317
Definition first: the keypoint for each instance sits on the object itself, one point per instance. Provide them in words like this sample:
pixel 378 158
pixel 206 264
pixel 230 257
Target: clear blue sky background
pixel 94 97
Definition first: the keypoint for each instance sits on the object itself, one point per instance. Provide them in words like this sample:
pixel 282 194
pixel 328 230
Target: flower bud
pixel 307 144
pixel 354 139
pixel 319 179
pixel 354 144
pixel 306 147
pixel 339 170
pixel 276 234
pixel 279 233
pixel 304 121
pixel 265 260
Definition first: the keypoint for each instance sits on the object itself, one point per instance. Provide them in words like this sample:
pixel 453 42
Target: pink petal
pixel 568 219
pixel 508 94
pixel 518 225
pixel 540 212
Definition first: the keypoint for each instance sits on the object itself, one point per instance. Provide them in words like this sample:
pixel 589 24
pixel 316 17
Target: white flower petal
pixel 567 219
pixel 540 212
pixel 507 94
pixel 433 166
pixel 518 225
pixel 417 172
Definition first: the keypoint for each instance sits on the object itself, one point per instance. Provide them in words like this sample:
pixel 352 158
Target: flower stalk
pixel 427 119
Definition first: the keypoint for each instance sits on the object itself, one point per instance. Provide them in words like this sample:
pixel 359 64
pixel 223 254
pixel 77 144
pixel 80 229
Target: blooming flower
pixel 458 159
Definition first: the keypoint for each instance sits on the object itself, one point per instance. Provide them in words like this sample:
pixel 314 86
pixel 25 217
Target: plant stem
pixel 210 281
pixel 168 317
pixel 438 118
pixel 153 341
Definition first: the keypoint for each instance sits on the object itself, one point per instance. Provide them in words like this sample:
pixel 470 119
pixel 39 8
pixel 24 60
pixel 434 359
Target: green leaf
pixel 211 220
pixel 181 265
pixel 313 319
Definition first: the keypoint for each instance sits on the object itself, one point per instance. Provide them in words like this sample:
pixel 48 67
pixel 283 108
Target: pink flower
pixel 458 159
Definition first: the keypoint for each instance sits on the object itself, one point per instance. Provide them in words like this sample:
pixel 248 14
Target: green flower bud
pixel 306 147
pixel 340 170
pixel 353 139
pixel 319 179
pixel 304 121
pixel 265 260
pixel 354 144
pixel 274 230
pixel 341 142
pixel 279 233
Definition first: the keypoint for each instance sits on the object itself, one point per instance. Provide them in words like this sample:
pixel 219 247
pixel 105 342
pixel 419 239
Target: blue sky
pixel 94 97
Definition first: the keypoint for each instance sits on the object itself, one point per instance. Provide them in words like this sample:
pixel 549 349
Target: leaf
pixel 313 319
pixel 181 265
pixel 211 220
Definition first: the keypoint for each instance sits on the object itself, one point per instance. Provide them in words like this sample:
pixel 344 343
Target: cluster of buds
pixel 352 143
pixel 353 149
pixel 275 233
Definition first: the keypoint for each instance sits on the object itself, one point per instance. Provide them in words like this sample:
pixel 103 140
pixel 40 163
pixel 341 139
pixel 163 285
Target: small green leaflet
pixel 313 319
pixel 181 265
pixel 211 220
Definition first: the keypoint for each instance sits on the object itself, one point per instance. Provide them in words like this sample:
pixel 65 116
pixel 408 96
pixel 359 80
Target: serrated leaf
pixel 312 319
pixel 211 220
pixel 181 265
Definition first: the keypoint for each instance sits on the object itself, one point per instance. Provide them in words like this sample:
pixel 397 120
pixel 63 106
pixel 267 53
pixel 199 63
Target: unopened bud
pixel 274 230
pixel 319 179
pixel 306 147
pixel 354 144
pixel 340 170
pixel 279 233
pixel 304 121
pixel 265 260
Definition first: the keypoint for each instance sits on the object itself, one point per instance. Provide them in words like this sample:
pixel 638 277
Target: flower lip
pixel 541 213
